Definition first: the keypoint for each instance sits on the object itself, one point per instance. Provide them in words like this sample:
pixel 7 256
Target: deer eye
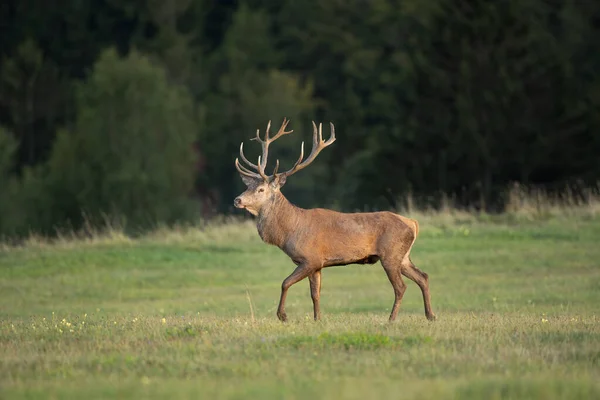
pixel 261 190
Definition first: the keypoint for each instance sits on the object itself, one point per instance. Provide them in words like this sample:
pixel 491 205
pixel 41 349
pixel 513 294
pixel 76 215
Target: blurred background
pixel 134 110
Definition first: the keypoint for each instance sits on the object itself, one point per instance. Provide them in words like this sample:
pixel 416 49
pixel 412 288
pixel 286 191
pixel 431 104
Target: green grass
pixel 191 314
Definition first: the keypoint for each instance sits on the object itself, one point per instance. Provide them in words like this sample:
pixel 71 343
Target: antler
pixel 262 160
pixel 318 145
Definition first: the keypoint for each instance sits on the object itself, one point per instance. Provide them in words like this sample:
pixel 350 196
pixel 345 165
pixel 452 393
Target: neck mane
pixel 277 219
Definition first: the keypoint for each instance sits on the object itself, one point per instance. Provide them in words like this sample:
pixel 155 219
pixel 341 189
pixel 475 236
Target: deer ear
pixel 279 180
pixel 248 181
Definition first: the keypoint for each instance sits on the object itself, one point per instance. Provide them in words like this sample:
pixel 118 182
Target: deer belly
pixel 334 262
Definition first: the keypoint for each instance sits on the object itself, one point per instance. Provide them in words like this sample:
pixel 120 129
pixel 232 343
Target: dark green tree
pixel 33 95
pixel 8 147
pixel 130 151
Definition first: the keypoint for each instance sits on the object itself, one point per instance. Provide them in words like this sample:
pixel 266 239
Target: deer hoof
pixel 282 316
pixel 431 317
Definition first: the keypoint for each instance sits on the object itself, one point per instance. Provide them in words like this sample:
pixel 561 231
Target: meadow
pixel 190 313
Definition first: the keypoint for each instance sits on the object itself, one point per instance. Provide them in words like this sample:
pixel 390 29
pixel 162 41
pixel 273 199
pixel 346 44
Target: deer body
pixel 330 238
pixel 318 238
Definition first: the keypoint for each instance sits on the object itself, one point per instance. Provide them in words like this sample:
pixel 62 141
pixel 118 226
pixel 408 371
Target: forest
pixel 133 112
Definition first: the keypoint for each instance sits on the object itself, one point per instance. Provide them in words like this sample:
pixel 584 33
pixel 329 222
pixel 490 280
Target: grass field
pixel 191 314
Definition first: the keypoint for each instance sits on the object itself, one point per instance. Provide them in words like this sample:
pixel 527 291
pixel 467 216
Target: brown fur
pixel 318 238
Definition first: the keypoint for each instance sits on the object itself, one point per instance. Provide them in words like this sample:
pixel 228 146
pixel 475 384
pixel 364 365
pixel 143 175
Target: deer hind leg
pixel 392 269
pixel 315 292
pixel 422 279
pixel 301 272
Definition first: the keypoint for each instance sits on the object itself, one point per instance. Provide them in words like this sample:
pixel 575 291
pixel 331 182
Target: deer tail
pixel 411 223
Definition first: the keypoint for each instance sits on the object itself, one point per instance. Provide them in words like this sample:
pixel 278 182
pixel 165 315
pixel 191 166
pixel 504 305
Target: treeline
pixel 136 109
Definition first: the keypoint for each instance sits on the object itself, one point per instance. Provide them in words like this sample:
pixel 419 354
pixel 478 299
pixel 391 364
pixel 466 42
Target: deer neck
pixel 277 220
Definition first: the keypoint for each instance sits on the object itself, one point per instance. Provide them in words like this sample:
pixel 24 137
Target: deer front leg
pixel 301 272
pixel 315 292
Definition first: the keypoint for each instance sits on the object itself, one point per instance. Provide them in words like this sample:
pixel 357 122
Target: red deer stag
pixel 319 238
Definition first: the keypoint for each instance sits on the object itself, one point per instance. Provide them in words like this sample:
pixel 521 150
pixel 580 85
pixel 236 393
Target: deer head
pixel 262 188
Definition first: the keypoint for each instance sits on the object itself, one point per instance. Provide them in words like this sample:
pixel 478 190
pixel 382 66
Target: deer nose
pixel 237 202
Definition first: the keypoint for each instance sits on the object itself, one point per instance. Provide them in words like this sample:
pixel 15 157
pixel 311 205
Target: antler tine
pixel 267 131
pixel 315 135
pixel 268 140
pixel 248 170
pixel 244 171
pixel 282 130
pixel 261 170
pixel 320 131
pixel 257 137
pixel 299 158
pixel 332 137
pixel 245 159
pixel 318 145
pixel 276 168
